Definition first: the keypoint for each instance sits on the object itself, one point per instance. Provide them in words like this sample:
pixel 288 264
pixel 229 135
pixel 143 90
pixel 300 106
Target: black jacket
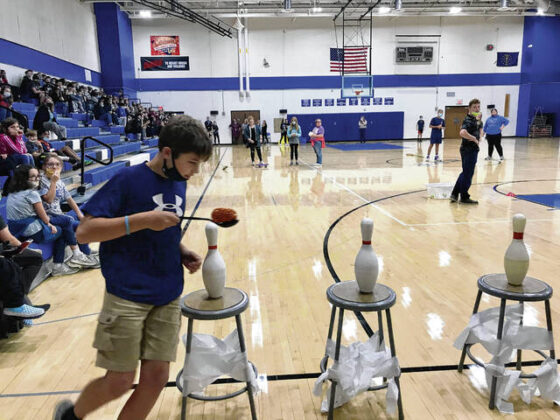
pixel 41 117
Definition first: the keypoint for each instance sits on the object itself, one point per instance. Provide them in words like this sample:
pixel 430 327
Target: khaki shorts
pixel 130 331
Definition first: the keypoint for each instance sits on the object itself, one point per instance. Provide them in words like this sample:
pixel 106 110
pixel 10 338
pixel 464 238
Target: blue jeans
pixel 5 113
pixel 21 159
pixel 468 159
pixel 318 151
pixel 59 244
pixel 69 225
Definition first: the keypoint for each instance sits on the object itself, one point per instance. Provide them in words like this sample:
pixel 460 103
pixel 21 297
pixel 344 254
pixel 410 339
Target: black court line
pixel 286 377
pixel 202 195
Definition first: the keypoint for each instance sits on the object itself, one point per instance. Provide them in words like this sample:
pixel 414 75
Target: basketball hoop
pixel 358 92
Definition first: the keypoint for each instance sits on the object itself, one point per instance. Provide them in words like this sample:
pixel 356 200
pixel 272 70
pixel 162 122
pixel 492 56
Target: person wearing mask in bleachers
pixel 53 192
pixel 27 218
pixel 26 87
pixel 12 146
pixel 60 100
pixel 6 100
pixel 34 147
pixel 45 119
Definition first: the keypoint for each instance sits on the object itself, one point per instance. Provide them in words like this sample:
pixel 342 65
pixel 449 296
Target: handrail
pixel 82 187
pixel 22 118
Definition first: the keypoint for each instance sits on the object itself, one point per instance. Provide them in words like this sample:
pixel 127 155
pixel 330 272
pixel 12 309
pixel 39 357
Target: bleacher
pixel 127 151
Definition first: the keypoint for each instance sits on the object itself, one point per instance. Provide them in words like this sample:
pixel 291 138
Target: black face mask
pixel 172 173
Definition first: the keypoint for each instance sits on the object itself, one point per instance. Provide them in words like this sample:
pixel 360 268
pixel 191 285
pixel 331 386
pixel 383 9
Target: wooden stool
pixel 347 295
pixel 531 290
pixel 197 305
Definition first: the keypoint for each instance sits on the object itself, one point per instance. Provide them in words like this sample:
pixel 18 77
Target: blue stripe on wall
pixel 28 58
pixel 329 82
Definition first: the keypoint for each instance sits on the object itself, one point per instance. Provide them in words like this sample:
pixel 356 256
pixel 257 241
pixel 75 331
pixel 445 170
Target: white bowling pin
pixel 516 260
pixel 213 267
pixel 366 266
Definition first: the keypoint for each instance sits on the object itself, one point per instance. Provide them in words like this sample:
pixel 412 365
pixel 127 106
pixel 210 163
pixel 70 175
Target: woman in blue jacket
pixel 493 129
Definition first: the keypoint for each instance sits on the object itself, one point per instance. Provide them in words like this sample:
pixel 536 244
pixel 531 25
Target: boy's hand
pixel 161 220
pixel 190 259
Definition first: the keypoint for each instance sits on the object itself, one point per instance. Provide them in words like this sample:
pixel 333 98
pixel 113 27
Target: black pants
pixel 254 147
pixel 284 137
pixel 294 151
pixel 495 140
pixel 16 276
pixel 216 137
pixel 363 135
pixel 468 160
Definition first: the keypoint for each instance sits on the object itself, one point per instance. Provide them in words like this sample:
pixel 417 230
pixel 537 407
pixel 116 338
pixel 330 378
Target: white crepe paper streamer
pixel 483 328
pixel 358 364
pixel 211 358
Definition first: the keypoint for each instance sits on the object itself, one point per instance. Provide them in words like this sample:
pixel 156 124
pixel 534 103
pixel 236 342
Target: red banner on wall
pixel 164 45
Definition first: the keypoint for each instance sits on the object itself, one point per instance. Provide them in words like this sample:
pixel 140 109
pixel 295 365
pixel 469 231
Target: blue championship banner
pixel 164 63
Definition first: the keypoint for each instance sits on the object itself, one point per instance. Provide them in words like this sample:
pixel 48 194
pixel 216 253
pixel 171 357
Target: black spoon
pixel 226 224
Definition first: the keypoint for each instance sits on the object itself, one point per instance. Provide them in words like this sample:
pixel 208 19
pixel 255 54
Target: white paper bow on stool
pixel 483 327
pixel 358 364
pixel 211 358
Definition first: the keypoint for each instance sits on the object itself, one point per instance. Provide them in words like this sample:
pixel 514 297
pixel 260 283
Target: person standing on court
pixel 317 136
pixel 420 127
pixel 252 136
pixel 208 125
pixel 493 129
pixel 284 131
pixel 471 131
pixel 216 132
pixel 362 124
pixel 437 124
pixel 264 132
pixel 294 133
pixel 136 217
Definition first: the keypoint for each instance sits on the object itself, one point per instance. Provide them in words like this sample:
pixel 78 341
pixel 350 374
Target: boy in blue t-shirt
pixel 136 217
pixel 420 127
pixel 437 124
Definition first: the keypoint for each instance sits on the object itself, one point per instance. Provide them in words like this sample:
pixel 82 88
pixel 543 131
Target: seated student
pixel 6 100
pixel 12 147
pixel 34 147
pixel 3 78
pixel 101 113
pixel 15 280
pixel 45 119
pixel 26 88
pixel 53 192
pixel 27 218
pixel 65 152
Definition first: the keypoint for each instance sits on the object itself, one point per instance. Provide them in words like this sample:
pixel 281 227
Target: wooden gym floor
pixel 432 253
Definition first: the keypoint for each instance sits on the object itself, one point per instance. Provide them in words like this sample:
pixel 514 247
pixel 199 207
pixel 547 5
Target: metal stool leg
pixel 464 352
pixel 190 323
pixel 393 354
pixel 518 364
pixel 549 327
pixel 336 356
pixel 244 351
pixel 492 404
pixel 381 335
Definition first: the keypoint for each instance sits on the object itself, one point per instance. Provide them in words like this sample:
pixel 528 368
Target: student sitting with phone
pixel 18 268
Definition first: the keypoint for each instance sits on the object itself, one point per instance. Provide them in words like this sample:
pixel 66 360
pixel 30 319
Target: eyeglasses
pixel 33 177
pixel 53 165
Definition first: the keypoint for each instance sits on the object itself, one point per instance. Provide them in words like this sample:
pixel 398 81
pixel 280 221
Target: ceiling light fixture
pixel 145 14
pixel 455 10
pixel 384 10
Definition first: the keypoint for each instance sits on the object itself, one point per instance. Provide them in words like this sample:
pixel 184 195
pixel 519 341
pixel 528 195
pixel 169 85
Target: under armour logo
pixel 158 199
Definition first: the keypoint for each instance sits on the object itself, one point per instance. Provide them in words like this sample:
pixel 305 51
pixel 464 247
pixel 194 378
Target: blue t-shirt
pixel 145 266
pixel 436 132
pixel 420 125
pixel 493 124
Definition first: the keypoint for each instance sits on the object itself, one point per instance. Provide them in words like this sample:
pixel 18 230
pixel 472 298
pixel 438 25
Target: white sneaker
pixel 63 270
pixel 427 158
pixel 502 158
pixel 81 260
pixel 95 260
pixel 436 158
pixel 487 158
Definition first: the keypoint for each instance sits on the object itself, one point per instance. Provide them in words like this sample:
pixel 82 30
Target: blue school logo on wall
pixel 317 102
pixel 306 102
pixel 377 101
pixel 329 102
pixel 341 102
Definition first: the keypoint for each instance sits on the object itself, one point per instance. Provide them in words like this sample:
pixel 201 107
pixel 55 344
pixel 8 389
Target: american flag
pixel 354 59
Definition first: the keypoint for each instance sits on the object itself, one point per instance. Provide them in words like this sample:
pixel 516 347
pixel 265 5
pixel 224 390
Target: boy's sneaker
pixel 468 201
pixel 63 270
pixel 501 158
pixel 95 260
pixel 27 323
pixel 81 260
pixel 24 311
pixel 487 158
pixel 427 158
pixel 436 158
pixel 453 198
pixel 61 408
